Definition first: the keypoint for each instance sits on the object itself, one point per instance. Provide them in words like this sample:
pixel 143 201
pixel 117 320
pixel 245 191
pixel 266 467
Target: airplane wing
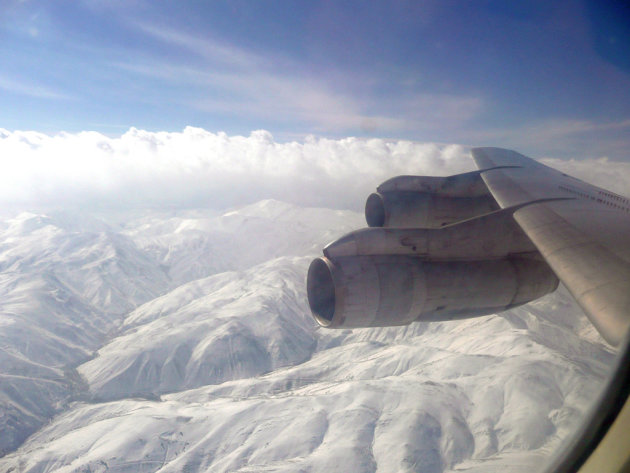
pixel 585 237
pixel 443 248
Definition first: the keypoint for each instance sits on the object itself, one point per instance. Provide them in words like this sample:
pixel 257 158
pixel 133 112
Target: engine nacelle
pixel 380 291
pixel 427 201
pixel 423 210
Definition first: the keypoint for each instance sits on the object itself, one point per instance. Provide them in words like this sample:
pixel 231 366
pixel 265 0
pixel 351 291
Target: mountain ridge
pixel 222 368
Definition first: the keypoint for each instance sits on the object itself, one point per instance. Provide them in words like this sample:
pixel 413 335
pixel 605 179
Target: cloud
pixel 561 137
pixel 602 172
pixel 231 80
pixel 211 50
pixel 28 88
pixel 198 168
pixel 553 130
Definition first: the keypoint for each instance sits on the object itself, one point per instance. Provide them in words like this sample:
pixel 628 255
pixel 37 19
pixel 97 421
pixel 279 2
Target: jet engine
pixel 430 263
pixel 380 291
pixel 428 202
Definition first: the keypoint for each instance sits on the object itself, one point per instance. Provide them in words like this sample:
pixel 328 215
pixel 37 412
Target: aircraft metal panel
pixel 585 240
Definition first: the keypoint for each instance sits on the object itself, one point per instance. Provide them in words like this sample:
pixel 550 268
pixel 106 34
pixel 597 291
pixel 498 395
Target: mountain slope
pixel 196 244
pixel 232 325
pixel 62 289
pixel 227 371
pixel 425 401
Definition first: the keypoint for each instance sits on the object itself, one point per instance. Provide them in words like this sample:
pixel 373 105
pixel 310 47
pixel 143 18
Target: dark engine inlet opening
pixel 375 211
pixel 321 291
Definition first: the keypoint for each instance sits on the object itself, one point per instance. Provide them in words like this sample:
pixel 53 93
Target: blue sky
pixel 546 78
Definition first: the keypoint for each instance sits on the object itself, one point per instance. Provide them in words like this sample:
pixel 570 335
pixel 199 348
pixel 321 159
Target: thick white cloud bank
pixel 602 172
pixel 198 168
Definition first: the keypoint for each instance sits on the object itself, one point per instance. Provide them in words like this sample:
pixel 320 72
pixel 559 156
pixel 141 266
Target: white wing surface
pixel 585 236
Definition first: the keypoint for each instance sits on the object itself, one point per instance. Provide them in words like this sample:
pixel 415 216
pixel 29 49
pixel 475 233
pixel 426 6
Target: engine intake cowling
pixel 422 210
pixel 379 291
pixel 428 201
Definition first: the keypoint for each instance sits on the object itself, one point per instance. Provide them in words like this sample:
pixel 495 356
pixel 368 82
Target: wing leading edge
pixel 581 230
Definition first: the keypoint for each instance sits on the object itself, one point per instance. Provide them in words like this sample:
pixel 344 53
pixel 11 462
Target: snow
pixel 63 287
pixel 182 341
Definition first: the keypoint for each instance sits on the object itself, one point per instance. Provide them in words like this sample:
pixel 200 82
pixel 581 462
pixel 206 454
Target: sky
pixel 549 79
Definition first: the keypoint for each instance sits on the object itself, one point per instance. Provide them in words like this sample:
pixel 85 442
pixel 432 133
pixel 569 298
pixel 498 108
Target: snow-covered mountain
pixel 63 287
pixel 182 342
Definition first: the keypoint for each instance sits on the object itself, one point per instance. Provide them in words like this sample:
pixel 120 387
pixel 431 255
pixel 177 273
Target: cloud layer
pixel 197 168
